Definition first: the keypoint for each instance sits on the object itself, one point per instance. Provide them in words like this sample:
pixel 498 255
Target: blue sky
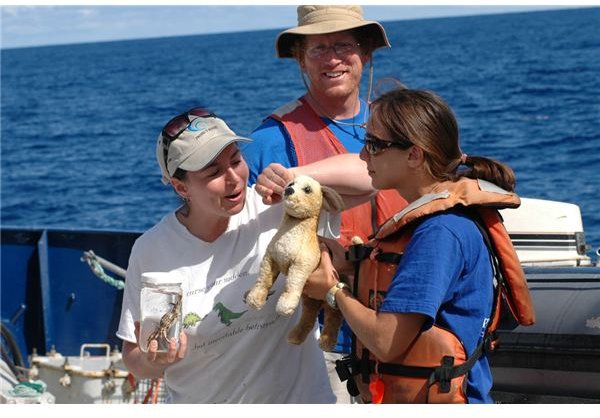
pixel 69 22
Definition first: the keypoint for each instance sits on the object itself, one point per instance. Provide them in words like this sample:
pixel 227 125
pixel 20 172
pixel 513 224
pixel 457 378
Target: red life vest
pixel 433 369
pixel 313 141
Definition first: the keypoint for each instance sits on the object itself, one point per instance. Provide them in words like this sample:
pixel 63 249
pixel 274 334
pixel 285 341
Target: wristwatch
pixel 330 297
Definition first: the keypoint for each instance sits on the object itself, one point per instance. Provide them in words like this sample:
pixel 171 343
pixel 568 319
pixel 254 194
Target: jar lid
pixel 161 277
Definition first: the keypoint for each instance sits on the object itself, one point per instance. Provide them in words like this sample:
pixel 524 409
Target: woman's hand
pixel 337 255
pixel 152 364
pixel 271 182
pixel 173 354
pixel 323 278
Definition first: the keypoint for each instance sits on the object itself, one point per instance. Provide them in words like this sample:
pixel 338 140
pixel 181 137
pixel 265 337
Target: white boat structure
pixel 555 360
pixel 546 233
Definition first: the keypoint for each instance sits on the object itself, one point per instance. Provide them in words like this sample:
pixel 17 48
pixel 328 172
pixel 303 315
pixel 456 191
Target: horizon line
pixel 549 8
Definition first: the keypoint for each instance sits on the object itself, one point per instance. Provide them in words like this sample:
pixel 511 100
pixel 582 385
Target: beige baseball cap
pixel 319 20
pixel 196 147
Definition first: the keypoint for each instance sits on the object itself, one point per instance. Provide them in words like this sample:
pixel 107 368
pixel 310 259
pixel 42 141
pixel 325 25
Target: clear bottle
pixel 160 309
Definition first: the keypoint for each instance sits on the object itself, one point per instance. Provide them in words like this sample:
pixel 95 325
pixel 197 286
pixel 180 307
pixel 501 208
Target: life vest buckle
pixel 346 367
pixel 358 252
pixel 443 374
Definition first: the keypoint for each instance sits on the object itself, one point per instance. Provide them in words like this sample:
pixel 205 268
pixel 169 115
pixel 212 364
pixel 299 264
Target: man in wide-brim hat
pixel 318 20
pixel 331 44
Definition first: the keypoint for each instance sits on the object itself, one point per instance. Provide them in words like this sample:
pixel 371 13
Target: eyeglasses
pixel 374 145
pixel 341 49
pixel 176 126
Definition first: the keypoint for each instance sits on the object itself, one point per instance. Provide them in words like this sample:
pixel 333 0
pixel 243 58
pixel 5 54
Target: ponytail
pixel 428 122
pixel 487 169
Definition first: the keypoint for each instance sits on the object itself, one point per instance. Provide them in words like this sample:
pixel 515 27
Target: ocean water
pixel 79 122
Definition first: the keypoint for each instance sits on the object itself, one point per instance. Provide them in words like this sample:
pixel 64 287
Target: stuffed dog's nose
pixel 288 191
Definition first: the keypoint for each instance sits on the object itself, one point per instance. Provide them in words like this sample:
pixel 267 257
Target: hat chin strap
pixel 370 79
pixel 304 79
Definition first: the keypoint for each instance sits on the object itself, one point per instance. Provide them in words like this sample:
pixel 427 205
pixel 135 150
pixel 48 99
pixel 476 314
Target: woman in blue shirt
pixel 444 279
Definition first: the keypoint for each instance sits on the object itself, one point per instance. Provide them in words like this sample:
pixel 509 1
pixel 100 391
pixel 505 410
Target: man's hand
pixel 271 182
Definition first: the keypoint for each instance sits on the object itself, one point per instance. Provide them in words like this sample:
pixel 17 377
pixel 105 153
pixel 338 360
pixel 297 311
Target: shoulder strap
pixel 511 290
pixel 311 138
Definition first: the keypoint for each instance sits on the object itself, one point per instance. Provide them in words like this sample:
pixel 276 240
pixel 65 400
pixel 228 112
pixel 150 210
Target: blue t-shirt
pixel 271 143
pixel 446 275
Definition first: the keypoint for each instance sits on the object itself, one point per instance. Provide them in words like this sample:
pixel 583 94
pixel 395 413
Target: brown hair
pixel 181 174
pixel 427 121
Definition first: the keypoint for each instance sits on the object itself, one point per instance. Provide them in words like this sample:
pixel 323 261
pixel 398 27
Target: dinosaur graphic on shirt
pixel 191 319
pixel 226 315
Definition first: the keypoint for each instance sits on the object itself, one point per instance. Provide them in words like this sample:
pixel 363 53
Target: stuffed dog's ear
pixel 332 201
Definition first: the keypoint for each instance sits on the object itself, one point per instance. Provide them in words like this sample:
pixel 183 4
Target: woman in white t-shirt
pixel 227 353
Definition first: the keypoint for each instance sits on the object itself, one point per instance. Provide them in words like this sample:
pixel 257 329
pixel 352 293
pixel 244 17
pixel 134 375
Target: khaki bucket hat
pixel 319 20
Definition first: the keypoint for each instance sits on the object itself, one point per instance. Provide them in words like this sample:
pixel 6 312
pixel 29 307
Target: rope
pixel 156 390
pixel 28 389
pixel 95 264
pixel 152 393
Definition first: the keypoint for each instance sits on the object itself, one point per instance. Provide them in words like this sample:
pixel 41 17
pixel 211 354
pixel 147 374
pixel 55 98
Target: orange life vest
pixel 313 141
pixel 433 369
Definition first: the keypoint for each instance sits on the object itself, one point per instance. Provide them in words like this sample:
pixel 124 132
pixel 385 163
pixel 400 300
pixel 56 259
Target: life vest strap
pixel 358 252
pixel 389 258
pixel 350 366
pixel 374 226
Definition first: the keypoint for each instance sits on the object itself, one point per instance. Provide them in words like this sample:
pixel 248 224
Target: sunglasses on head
pixel 180 123
pixel 176 126
pixel 374 145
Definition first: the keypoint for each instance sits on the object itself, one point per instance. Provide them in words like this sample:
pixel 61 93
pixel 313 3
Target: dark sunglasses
pixel 374 145
pixel 180 123
pixel 176 126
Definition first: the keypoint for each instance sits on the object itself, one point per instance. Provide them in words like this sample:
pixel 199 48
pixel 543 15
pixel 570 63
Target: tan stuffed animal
pixel 294 251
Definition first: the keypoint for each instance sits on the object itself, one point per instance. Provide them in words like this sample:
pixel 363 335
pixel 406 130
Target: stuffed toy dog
pixel 294 251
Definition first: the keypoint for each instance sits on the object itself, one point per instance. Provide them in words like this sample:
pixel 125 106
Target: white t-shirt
pixel 235 354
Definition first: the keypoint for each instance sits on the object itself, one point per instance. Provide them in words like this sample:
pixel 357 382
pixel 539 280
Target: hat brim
pixel 286 39
pixel 204 156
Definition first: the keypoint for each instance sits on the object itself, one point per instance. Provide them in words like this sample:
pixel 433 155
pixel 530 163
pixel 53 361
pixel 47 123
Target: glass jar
pixel 160 309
